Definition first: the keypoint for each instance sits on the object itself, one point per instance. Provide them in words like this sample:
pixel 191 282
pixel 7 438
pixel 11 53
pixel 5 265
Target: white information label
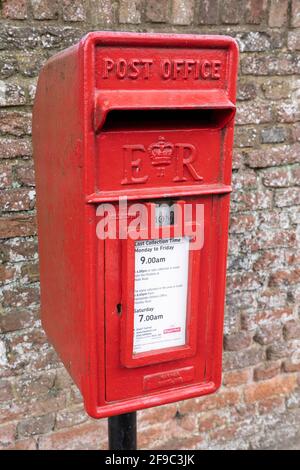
pixel 160 293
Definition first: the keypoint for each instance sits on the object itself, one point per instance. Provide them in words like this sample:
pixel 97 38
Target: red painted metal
pixel 100 108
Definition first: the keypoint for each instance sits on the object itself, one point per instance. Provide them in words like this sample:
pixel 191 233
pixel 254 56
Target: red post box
pixel 124 120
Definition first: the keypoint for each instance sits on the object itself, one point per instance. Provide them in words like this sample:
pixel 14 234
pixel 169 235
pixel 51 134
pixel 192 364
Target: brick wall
pixel 258 405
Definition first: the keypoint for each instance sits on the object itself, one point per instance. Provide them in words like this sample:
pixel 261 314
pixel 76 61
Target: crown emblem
pixel 161 153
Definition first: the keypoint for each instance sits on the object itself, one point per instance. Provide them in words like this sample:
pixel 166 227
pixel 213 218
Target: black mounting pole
pixel 122 432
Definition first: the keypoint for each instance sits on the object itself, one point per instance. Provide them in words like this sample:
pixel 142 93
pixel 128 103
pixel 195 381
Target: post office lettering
pixel 180 69
pixel 165 69
pixel 122 68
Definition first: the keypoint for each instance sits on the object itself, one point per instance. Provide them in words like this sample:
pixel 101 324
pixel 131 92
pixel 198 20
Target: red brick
pixel 30 272
pixel 273 156
pixel 272 404
pixel 276 88
pixel 40 405
pixel 245 136
pixel 33 339
pixel 281 385
pixel 63 379
pixel 267 239
pixel 291 365
pixel 255 41
pixel 265 260
pixel 17 200
pixel 181 424
pixel 70 417
pixel 224 434
pixel 230 11
pixel 277 178
pixel 255 11
pixel 243 281
pixel 294 214
pixel 244 179
pixel 129 12
pixel 278 350
pixel 269 64
pixel 267 334
pixel 272 299
pixel 287 197
pixel 18 250
pixel 6 274
pixel 17 226
pixel 272 220
pixel 25 174
pixel 242 223
pixel 46 359
pixel 237 158
pixel 291 329
pixel 210 421
pixel 261 317
pixel 240 300
pixel 13 148
pixel 241 359
pixel 36 425
pixel 221 399
pixel 6 176
pixel 32 386
pixel 24 444
pixel 292 257
pixel 247 200
pixel 88 436
pixel 14 9
pixel 16 320
pixel 296 176
pixel 103 12
pixel 253 112
pixel 274 135
pixel 11 411
pixel 6 391
pixel 16 123
pixel 190 443
pixel 28 349
pixel 267 371
pixel 294 40
pixel 73 10
pixel 296 132
pixel 182 12
pixel 285 277
pixel 208 12
pixel 238 341
pixel 246 90
pixel 7 435
pixel 278 13
pixel 156 11
pixel 75 395
pixel 295 13
pixel 236 377
pixel 150 416
pixel 44 9
pixel 241 413
pixel 155 435
pixel 287 112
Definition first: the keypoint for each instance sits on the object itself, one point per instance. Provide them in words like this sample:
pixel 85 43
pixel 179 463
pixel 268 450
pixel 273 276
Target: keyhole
pixel 119 309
